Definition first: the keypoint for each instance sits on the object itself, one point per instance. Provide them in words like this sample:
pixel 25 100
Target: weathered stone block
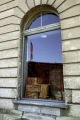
pixel 6 13
pixel 74 110
pixel 67 118
pixel 57 3
pixel 9 44
pixel 71 45
pixel 6 103
pixel 8 72
pixel 9 63
pixel 1 116
pixel 30 3
pixel 70 13
pixel 68 96
pixel 8 82
pixel 71 56
pixel 50 111
pixel 72 82
pixel 9 28
pixel 19 13
pixel 40 110
pixel 71 33
pixel 70 22
pixel 29 109
pixel 67 4
pixel 22 5
pixel 44 1
pixel 4 1
pixel 10 20
pixel 51 2
pixel 76 96
pixel 10 117
pixel 12 112
pixel 9 53
pixel 10 36
pixel 37 2
pixel 8 93
pixel 71 69
pixel 8 5
pixel 37 117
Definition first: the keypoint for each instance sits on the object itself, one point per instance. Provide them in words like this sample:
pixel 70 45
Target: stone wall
pixel 11 15
pixel 9 37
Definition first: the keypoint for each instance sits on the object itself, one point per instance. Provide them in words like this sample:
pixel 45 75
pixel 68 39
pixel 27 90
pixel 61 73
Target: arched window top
pixel 43 19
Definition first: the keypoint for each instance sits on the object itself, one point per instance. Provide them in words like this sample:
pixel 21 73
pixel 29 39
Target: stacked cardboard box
pixel 44 93
pixel 32 95
pixel 32 87
pixel 35 88
pixel 32 91
pixel 34 80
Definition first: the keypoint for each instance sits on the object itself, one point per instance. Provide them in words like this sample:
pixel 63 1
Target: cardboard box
pixel 33 88
pixel 34 80
pixel 44 91
pixel 39 80
pixel 31 95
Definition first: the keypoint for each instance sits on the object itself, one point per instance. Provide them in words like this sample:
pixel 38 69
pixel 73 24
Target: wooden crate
pixel 33 88
pixel 31 95
pixel 39 80
pixel 44 91
pixel 34 80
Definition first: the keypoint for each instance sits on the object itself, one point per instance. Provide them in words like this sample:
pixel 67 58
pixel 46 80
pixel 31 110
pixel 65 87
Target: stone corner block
pixel 68 96
pixel 76 96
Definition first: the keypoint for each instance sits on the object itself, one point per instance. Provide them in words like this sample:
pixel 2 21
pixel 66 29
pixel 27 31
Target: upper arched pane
pixel 44 19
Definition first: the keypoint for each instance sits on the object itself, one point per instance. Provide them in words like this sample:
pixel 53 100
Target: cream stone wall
pixel 11 14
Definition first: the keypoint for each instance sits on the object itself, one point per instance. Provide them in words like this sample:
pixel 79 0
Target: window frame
pixel 29 32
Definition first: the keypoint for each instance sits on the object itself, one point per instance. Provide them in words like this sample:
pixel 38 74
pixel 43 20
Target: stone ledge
pixel 40 102
pixel 41 107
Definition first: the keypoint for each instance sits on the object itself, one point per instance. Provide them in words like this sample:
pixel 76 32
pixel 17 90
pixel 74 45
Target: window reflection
pixel 44 19
pixel 46 47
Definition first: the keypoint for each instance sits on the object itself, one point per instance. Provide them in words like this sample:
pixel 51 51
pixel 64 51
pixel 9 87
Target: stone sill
pixel 42 102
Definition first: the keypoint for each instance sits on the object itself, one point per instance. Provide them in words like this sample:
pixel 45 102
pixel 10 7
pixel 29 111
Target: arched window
pixel 42 57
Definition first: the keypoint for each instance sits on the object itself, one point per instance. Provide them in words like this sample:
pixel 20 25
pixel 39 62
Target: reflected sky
pixel 44 19
pixel 46 47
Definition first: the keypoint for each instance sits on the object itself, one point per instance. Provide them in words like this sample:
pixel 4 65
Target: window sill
pixel 42 102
